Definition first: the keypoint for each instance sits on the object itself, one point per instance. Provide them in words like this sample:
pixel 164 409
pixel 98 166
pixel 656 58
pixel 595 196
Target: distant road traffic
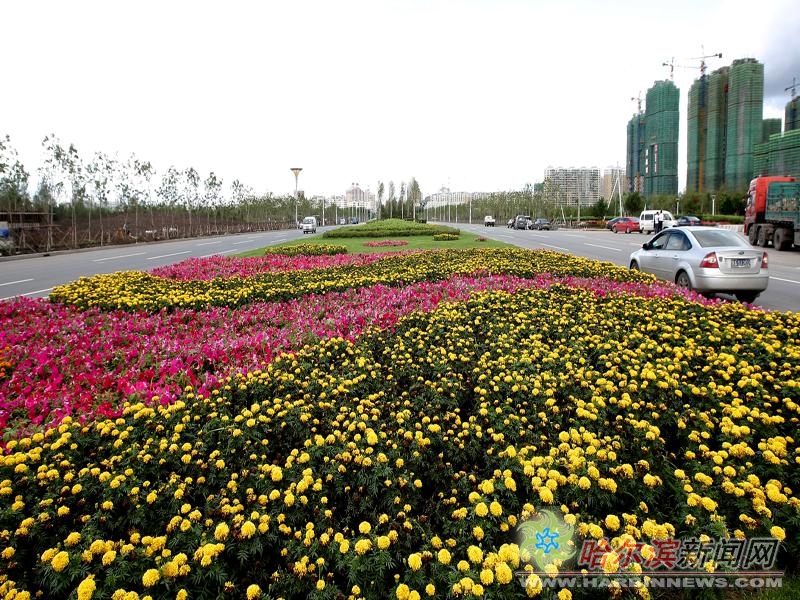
pixel 35 276
pixel 783 292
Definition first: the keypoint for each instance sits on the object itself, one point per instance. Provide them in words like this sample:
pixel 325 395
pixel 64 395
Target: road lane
pixel 782 294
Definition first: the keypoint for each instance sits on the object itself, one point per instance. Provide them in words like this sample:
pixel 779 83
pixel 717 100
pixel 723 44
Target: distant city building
pixel 792 115
pixel 661 120
pixel 357 199
pixel 573 186
pixel 768 127
pixel 778 156
pixel 613 184
pixel 444 197
pixel 634 162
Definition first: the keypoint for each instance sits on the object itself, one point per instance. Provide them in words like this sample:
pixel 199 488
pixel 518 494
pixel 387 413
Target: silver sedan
pixel 706 259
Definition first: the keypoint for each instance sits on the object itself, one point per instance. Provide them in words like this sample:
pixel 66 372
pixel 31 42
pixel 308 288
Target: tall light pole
pixel 296 171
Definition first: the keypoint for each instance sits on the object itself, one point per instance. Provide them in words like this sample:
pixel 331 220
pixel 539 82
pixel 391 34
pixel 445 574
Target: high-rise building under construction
pixel 634 162
pixel 724 123
pixel 792 115
pixel 661 122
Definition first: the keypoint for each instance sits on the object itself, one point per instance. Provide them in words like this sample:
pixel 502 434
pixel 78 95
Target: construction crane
pixel 792 87
pixel 671 64
pixel 638 100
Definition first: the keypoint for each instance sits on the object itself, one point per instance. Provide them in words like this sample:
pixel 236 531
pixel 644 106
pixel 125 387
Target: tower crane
pixel 671 64
pixel 638 100
pixel 793 88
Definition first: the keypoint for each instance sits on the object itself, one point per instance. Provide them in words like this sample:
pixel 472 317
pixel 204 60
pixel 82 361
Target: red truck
pixel 773 212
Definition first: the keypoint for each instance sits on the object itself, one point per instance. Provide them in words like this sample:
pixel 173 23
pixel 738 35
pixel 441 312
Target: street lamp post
pixel 296 171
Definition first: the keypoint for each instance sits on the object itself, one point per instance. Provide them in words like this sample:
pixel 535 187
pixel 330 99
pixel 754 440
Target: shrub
pixel 445 237
pixel 307 250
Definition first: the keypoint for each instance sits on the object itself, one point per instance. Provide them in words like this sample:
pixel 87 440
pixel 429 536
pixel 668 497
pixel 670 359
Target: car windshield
pixel 719 237
pixel 308 220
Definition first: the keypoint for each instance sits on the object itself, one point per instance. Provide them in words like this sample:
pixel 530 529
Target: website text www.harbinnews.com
pixel 655 580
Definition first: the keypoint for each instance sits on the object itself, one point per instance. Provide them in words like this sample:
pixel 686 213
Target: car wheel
pixel 634 266
pixel 614 229
pixel 682 280
pixel 751 234
pixel 748 297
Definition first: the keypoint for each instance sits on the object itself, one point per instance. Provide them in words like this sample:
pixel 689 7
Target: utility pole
pixel 296 171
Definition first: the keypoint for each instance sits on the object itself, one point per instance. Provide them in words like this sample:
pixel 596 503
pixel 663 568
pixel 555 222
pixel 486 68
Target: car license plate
pixel 740 262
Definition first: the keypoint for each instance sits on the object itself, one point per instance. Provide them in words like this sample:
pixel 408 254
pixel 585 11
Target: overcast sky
pixel 482 95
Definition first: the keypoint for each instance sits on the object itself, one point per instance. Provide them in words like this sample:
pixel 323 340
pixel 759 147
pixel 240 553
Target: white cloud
pixel 481 94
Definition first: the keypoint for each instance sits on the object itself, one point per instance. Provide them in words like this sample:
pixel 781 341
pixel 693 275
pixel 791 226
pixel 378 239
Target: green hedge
pixel 389 228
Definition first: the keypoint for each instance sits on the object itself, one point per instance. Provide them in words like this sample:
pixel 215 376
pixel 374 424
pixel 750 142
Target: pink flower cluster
pixel 71 362
pixel 225 266
pixel 385 243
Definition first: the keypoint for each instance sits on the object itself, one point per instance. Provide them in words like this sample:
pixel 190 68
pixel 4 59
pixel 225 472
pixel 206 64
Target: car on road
pixel 687 220
pixel 541 224
pixel 309 225
pixel 648 217
pixel 624 224
pixel 709 260
pixel 522 222
pixel 488 221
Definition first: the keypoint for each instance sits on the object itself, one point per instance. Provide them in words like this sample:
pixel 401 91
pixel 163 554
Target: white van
pixel 309 225
pixel 647 220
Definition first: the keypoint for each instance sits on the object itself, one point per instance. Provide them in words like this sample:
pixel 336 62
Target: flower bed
pixel 385 243
pixel 396 454
pixel 134 290
pixel 307 250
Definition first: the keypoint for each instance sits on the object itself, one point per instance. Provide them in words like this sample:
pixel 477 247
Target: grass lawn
pixel 417 242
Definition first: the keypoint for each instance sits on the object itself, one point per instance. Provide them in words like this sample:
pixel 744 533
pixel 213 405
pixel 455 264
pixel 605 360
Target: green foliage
pixel 633 203
pixel 307 249
pixel 389 228
pixel 445 237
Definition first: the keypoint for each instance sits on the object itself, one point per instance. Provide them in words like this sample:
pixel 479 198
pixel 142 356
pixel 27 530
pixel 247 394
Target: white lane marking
pixel 27 294
pixel 217 253
pixel 168 255
pixel 13 282
pixel 116 257
pixel 209 243
pixel 573 235
pixel 604 247
pixel 243 242
pixel 786 280
pixel 556 247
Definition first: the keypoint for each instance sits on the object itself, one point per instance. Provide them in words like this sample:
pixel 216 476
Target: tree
pixel 381 191
pixel 211 193
pixel 402 199
pixel 13 179
pixel 414 195
pixel 600 208
pixel 391 200
pixel 192 193
pixel 102 171
pixel 633 203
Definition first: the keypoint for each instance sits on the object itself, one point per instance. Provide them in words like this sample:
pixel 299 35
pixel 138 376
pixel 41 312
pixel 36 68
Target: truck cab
pixel 772 214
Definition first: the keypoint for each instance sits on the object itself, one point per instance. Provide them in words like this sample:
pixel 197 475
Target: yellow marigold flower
pixel 430 589
pixel 584 483
pixel 320 584
pixel 564 594
pixel 363 546
pixel 487 576
pixel 481 509
pixel 612 522
pixel 475 554
pixel 86 588
pixel 184 595
pixel 415 561
pixel 364 527
pixel 384 542
pixel 495 508
pixel 150 577
pixel 478 533
pixel 8 553
pixel 277 474
pixel 777 532
pixel 248 529
pixel 545 495
pixel 109 557
pixel 72 539
pixel 344 546
pixel 253 592
pixel 402 592
pixel 444 556
pixel 503 573
pixel 221 532
pixel 60 561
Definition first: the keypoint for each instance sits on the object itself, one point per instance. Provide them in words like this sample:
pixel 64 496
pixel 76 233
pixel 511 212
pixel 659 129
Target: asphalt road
pixel 783 292
pixel 35 276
